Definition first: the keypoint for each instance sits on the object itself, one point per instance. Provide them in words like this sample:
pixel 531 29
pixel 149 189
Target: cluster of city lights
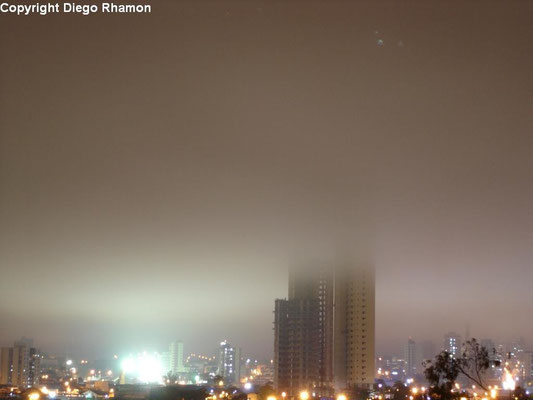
pixel 305 395
pixel 201 357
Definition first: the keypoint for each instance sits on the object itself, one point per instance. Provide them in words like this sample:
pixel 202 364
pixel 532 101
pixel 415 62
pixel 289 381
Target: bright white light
pixel 508 380
pixel 69 362
pixel 145 367
pixel 128 365
pixel 247 386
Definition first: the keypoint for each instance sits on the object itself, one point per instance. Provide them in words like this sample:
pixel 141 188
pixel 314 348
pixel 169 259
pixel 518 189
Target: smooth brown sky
pixel 159 172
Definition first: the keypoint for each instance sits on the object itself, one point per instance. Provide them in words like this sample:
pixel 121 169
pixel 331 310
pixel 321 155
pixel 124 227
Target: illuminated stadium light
pixel 144 368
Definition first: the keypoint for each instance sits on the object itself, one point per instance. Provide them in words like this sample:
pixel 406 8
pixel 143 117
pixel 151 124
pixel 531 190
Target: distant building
pixel 515 348
pixel 265 374
pixel 19 365
pixel 6 366
pixel 397 368
pixel 425 350
pixel 416 353
pixel 176 358
pixel 201 365
pixel 229 363
pixel 453 344
pixel 491 348
pixel 410 351
pixel 526 360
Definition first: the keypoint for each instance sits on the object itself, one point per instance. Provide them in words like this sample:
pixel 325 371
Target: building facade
pixel 6 366
pixel 410 352
pixel 303 339
pixel 229 363
pixel 324 331
pixel 354 345
pixel 19 365
pixel 453 344
pixel 176 358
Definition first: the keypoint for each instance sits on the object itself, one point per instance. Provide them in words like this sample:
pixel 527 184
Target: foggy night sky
pixel 158 173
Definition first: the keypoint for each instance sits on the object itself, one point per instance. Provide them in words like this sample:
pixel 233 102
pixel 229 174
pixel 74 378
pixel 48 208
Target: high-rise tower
pixel 324 331
pixel 6 366
pixel 453 344
pixel 176 356
pixel 25 361
pixel 229 363
pixel 410 355
pixel 354 320
pixel 304 333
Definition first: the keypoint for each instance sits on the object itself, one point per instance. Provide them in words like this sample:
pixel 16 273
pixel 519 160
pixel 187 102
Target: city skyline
pixel 265 350
pixel 24 364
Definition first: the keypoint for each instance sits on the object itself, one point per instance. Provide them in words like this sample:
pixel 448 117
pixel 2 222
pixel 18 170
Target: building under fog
pixel 416 353
pixel 410 358
pixel 229 363
pixel 19 365
pixel 453 344
pixel 324 331
pixel 176 358
pixel 303 356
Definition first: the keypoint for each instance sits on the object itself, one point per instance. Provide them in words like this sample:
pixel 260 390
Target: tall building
pixel 229 363
pixel 24 359
pixel 425 350
pixel 34 367
pixel 303 337
pixel 324 331
pixel 416 353
pixel 453 344
pixel 526 360
pixel 6 366
pixel 410 352
pixel 516 347
pixel 176 358
pixel 354 321
pixel 491 348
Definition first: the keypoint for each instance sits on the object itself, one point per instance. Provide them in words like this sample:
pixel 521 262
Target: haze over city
pixel 159 174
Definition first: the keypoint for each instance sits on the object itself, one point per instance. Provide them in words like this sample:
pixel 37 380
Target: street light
pixel 304 395
pixel 341 397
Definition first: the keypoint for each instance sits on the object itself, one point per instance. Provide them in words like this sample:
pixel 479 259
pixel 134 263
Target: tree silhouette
pixel 170 378
pixel 443 370
pixel 265 391
pixel 217 378
pixel 399 391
